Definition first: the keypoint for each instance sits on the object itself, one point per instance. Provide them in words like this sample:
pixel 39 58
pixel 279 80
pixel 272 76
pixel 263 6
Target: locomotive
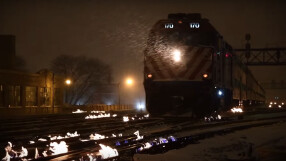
pixel 190 68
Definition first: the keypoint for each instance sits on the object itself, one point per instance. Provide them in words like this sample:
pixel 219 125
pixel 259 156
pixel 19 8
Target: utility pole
pixel 53 91
pixel 118 90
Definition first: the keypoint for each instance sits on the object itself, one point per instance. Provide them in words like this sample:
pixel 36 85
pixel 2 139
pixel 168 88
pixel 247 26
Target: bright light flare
pixel 129 81
pixel 97 116
pixel 146 145
pixel 138 135
pixel 140 107
pixel 68 135
pixel 31 142
pixel 9 152
pixel 205 75
pixel 36 153
pixel 44 153
pixel 42 139
pixel 68 82
pixel 125 118
pixel 96 136
pixel 163 140
pixel 107 152
pixel 79 111
pixel 236 110
pixel 60 148
pixel 56 137
pixel 177 55
pixel 24 152
pixel 71 135
pixel 220 93
pixel 172 138
pixel 97 111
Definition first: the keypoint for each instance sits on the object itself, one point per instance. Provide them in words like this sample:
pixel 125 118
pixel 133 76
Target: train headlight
pixel 177 55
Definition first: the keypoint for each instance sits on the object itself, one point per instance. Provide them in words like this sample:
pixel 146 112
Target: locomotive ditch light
pixel 205 75
pixel 149 76
pixel 177 55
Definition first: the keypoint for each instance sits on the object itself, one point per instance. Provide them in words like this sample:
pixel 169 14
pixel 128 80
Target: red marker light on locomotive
pixel 180 21
pixel 227 55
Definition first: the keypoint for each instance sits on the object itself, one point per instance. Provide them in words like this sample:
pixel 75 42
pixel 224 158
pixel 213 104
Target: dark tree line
pixel 86 74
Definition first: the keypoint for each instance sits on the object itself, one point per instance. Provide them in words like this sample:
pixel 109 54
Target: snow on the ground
pixel 267 143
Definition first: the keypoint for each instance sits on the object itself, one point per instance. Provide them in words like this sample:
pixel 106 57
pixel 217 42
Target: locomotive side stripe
pixel 200 65
pixel 154 65
pixel 167 67
pixel 182 66
pixel 195 65
pixel 209 69
pixel 194 54
pixel 161 66
pixel 204 69
pixel 208 66
pixel 179 67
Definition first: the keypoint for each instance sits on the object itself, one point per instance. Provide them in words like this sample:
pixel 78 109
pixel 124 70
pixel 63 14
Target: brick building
pixel 22 89
pixel 18 89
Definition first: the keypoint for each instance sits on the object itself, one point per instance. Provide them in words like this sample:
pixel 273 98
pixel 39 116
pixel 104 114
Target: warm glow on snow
pixel 107 152
pixel 60 148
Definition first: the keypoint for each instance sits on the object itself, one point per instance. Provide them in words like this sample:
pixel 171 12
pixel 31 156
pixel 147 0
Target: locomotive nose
pixel 177 101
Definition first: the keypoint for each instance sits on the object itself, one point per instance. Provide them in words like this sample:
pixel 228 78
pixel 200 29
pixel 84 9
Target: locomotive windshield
pixel 188 38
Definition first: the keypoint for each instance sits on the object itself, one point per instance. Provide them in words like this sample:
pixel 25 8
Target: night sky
pixel 116 31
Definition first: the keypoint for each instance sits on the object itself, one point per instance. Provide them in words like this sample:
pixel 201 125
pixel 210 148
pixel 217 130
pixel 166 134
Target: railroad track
pixel 186 131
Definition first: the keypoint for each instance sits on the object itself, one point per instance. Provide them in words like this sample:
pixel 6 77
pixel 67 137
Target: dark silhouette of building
pixel 7 52
pixel 22 89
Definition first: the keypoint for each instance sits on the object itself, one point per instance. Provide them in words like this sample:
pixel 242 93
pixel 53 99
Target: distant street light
pixel 68 82
pixel 128 82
